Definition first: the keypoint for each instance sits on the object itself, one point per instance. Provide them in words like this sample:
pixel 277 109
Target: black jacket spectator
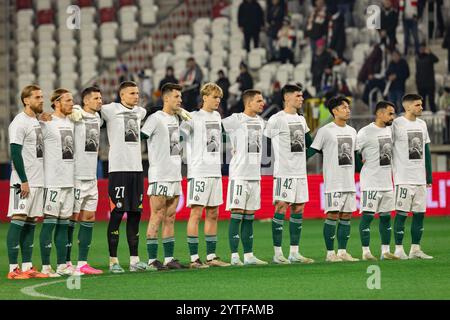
pixel 389 22
pixel 224 84
pixel 244 79
pixel 251 20
pixel 336 32
pixel 321 62
pixel 401 70
pixel 425 82
pixel 446 45
pixel 275 16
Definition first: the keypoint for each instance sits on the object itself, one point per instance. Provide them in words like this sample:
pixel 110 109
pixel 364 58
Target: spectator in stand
pixel 276 98
pixel 444 100
pixel 321 65
pixel 426 85
pixel 410 14
pixel 250 21
pixel 169 77
pixel 372 73
pixel 446 45
pixel 336 31
pixel 396 75
pixel 244 79
pixel 286 41
pixel 345 7
pixel 224 84
pixel 191 81
pixel 389 22
pixel 275 15
pixel 317 26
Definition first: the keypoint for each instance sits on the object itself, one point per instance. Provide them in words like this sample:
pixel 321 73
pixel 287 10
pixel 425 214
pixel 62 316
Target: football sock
pixel 45 239
pixel 70 230
pixel 27 241
pixel 84 239
pixel 329 233
pixel 113 232
pixel 61 240
pixel 192 245
pixel 152 248
pixel 385 228
pixel 211 243
pixel 133 219
pixel 343 233
pixel 233 231
pixel 169 246
pixel 364 228
pixel 295 228
pixel 277 229
pixel 399 227
pixel 247 232
pixel 417 227
pixel 13 239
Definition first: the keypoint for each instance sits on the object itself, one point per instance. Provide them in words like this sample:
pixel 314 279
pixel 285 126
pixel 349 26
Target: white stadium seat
pixel 149 16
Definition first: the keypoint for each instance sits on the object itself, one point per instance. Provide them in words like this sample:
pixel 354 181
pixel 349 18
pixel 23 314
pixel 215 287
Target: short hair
pixel 249 94
pixel 210 88
pixel 411 97
pixel 383 105
pixel 56 95
pixel 335 102
pixel 87 92
pixel 127 84
pixel 26 92
pixel 168 87
pixel 289 88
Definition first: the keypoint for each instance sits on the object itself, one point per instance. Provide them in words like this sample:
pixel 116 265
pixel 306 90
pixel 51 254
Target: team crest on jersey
pixel 119 204
pixel 284 194
pixel 236 201
pixel 399 203
pixel 370 205
pixel 49 207
pixel 196 198
pixel 22 206
pixel 336 203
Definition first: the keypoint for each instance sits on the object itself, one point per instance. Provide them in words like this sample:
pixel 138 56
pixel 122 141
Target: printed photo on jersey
pixel 131 128
pixel 297 137
pixel 385 145
pixel 67 144
pixel 254 138
pixel 39 143
pixel 345 152
pixel 174 138
pixel 415 145
pixel 92 137
pixel 213 137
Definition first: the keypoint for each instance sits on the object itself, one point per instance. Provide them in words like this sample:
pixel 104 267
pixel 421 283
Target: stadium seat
pixel 108 48
pixel 104 3
pixel 158 75
pixel 25 18
pixel 88 15
pixel 216 62
pixel 45 17
pixel 149 15
pixel 107 15
pixel 128 31
pixel 123 3
pixel 108 30
pixel 25 34
pixel 202 58
pixel 264 87
pixel 232 75
pixel 66 35
pixel 161 60
pixel 45 68
pixel 45 32
pixel 201 26
pixel 24 4
pixel 43 5
pixel 127 14
pixel 85 3
pixel 66 67
pixel 87 34
pixel 282 76
pixel 200 42
pixel 234 60
pixel 145 3
pixel 25 65
pixel 254 60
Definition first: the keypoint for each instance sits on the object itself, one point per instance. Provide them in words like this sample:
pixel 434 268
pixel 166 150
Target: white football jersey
pixel 203 144
pixel 338 145
pixel 375 145
pixel 246 140
pixel 410 138
pixel 26 131
pixel 287 132
pixel 123 135
pixel 164 147
pixel 59 152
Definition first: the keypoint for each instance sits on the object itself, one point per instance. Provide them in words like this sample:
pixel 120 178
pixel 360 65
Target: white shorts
pixel 290 190
pixel 206 192
pixel 86 195
pixel 340 202
pixel 59 202
pixel 411 198
pixel 167 189
pixel 244 194
pixel 31 206
pixel 377 201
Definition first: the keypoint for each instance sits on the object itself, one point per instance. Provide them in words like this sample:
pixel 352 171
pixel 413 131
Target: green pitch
pixel 411 279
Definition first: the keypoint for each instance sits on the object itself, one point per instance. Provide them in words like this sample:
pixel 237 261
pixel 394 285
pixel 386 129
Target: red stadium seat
pixel 85 3
pixel 24 4
pixel 107 15
pixel 45 16
pixel 123 3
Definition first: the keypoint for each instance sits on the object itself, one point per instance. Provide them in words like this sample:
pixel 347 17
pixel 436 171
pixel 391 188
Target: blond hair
pixel 56 95
pixel 26 92
pixel 210 88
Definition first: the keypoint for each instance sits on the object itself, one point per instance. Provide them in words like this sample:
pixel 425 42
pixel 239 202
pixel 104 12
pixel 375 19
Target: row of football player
pixel 70 185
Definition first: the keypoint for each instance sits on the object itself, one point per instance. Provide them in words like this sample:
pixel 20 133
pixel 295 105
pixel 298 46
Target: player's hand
pixel 185 115
pixel 24 190
pixel 76 115
pixel 45 116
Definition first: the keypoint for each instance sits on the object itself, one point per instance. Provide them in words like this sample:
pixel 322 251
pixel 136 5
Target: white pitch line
pixel 31 291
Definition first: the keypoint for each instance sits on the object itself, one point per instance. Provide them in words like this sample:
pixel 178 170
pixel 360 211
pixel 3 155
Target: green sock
pixel 70 230
pixel 329 233
pixel 277 229
pixel 193 245
pixel 84 239
pixel 343 233
pixel 364 228
pixel 152 248
pixel 61 240
pixel 45 239
pixel 233 231
pixel 13 239
pixel 417 227
pixel 399 226
pixel 385 228
pixel 247 232
pixel 169 246
pixel 211 243
pixel 27 241
pixel 295 228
